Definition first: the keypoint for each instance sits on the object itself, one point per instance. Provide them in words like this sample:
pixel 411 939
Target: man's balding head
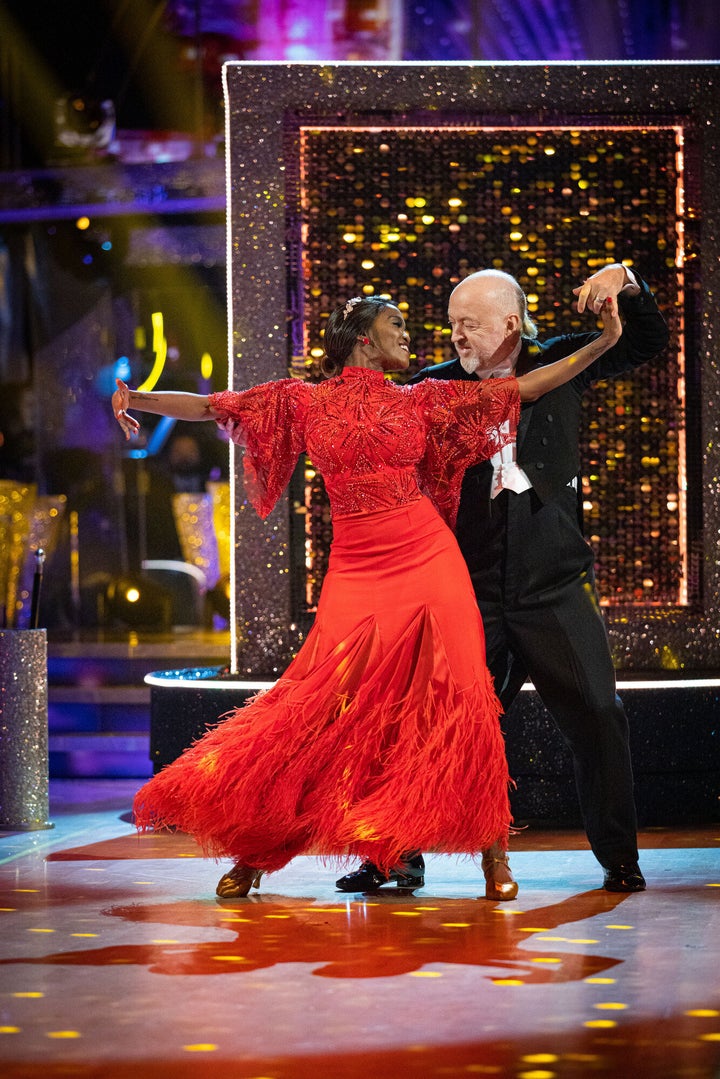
pixel 488 315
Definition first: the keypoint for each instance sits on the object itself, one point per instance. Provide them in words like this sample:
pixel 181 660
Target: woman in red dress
pixel 391 682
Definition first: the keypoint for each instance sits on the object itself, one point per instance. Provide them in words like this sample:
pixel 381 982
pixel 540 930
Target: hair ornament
pixel 350 304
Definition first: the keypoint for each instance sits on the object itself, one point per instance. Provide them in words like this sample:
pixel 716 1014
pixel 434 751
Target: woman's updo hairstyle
pixel 346 323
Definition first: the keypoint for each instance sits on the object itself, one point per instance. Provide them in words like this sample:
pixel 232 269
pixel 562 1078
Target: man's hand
pixel 606 283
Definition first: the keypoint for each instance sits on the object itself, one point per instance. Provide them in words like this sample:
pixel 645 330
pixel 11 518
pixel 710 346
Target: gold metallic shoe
pixel 499 882
pixel 237 883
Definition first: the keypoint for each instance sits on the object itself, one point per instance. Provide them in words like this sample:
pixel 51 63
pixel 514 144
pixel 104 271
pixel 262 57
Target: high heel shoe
pixel 499 882
pixel 237 883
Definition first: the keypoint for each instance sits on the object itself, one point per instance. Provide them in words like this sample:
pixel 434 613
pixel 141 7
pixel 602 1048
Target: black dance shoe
pixel 624 878
pixel 368 878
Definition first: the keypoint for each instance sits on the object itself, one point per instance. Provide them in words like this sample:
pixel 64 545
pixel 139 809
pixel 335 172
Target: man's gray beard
pixel 470 364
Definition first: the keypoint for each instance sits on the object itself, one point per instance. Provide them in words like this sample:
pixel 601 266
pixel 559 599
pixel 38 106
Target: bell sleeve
pixel 467 422
pixel 268 422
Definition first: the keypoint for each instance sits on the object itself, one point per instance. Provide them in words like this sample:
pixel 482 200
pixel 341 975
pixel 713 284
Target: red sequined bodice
pixel 378 445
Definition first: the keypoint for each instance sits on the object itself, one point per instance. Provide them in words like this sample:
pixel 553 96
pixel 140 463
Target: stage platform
pixel 116 961
pixel 128 705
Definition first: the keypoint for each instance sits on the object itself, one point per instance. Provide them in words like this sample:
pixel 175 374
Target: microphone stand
pixel 37 585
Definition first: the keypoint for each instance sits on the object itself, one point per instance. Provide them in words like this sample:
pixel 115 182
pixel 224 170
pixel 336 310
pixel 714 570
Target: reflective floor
pixel 117 961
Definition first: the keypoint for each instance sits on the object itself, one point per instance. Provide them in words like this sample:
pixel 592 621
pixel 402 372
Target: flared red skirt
pixel 382 735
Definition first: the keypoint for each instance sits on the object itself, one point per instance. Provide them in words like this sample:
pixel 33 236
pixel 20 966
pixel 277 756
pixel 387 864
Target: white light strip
pixel 156 679
pixel 682 464
pixel 480 65
pixel 214 683
pixel 231 382
pixel 672 683
pixel 663 683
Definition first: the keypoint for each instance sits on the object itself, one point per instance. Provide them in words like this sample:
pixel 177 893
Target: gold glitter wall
pixel 409 212
pixel 549 171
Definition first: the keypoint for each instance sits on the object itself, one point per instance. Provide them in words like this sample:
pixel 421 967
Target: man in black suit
pixel 520 532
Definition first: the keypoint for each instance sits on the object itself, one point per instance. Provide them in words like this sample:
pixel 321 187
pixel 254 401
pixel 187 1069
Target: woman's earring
pixel 364 340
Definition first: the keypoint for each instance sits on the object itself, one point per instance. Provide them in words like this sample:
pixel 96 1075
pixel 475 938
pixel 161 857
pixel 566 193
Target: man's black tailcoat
pixel 532 571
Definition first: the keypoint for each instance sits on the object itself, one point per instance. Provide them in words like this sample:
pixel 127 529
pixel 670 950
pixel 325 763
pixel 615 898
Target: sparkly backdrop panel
pixel 411 212
pixel 24 800
pixel 257 269
pixel 267 104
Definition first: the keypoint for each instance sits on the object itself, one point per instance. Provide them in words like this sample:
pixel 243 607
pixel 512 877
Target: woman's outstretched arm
pixel 535 383
pixel 176 404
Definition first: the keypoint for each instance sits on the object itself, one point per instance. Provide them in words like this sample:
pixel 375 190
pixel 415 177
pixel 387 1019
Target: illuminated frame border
pixel 266 103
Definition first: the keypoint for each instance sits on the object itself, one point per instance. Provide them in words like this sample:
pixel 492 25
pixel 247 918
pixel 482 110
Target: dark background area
pixel 159 62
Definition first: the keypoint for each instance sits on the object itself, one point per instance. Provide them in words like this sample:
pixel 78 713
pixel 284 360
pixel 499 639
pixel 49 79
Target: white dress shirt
pixel 507 474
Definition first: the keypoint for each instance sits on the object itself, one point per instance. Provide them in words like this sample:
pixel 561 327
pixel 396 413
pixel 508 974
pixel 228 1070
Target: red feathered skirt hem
pixel 381 737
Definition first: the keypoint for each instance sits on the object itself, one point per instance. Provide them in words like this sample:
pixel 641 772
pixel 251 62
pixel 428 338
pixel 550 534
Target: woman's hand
pixel 611 324
pixel 543 379
pixel 120 405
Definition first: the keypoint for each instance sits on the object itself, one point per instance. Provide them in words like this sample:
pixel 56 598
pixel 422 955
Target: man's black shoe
pixel 624 878
pixel 368 878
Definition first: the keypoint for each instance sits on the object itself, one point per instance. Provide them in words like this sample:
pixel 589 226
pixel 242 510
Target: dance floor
pixel 117 961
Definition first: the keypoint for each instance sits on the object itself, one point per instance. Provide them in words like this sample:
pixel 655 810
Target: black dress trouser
pixel 533 578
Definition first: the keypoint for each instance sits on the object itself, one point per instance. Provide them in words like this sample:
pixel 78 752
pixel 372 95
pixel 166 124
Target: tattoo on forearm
pixel 135 396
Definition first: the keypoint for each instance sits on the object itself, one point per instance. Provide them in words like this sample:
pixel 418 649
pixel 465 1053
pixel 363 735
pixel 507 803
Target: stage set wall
pixel 672 705
pixel 266 104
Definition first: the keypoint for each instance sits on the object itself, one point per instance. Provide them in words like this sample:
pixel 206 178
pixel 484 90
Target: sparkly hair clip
pixel 350 304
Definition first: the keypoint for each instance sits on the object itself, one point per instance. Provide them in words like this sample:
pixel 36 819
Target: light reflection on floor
pixel 117 961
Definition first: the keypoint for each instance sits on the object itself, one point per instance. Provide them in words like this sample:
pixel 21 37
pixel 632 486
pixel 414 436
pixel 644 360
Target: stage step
pixel 99 756
pixel 99 704
pixel 98 731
